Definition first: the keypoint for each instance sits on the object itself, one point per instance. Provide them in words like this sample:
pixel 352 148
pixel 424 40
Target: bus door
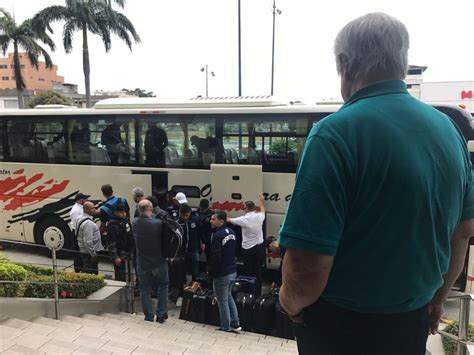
pixel 159 182
pixel 124 183
pixel 232 185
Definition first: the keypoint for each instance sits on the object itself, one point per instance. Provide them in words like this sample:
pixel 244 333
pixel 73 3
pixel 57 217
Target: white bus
pixel 244 146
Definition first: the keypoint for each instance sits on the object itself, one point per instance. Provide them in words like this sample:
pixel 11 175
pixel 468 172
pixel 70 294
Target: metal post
pixel 463 323
pixel 240 54
pixel 273 46
pixel 207 83
pixel 56 288
pixel 129 285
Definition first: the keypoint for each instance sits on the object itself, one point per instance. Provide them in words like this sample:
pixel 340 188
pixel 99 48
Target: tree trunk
pixel 86 65
pixel 18 78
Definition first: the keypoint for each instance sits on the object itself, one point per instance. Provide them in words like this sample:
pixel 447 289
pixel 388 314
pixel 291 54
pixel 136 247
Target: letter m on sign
pixel 466 94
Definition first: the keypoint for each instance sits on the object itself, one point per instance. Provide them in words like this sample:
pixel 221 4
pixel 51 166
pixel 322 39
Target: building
pixel 9 98
pixel 37 80
pixel 414 79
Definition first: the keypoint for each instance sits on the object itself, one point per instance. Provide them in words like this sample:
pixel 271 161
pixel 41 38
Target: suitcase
pixel 284 326
pixel 245 303
pixel 199 306
pixel 264 314
pixel 245 284
pixel 212 315
pixel 188 293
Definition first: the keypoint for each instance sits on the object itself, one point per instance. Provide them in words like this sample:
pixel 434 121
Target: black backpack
pixel 172 237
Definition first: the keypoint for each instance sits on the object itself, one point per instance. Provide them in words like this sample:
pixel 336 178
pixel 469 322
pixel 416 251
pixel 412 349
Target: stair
pixel 124 333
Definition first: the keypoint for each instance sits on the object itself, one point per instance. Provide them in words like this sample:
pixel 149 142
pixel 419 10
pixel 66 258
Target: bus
pixel 227 150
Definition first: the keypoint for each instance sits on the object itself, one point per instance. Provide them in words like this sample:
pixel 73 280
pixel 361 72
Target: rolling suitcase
pixel 245 303
pixel 199 306
pixel 188 293
pixel 264 314
pixel 283 324
pixel 245 284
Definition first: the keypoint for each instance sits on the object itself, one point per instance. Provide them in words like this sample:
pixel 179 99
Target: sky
pixel 179 37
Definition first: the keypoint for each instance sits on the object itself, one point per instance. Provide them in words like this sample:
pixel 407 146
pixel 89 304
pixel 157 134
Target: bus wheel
pixel 53 230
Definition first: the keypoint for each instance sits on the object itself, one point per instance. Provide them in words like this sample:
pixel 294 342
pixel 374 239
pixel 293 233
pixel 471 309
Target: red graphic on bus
pixel 228 206
pixel 18 191
pixel 466 94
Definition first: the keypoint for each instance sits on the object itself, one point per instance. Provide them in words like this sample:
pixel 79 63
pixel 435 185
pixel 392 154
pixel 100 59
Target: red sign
pixel 12 190
pixel 466 94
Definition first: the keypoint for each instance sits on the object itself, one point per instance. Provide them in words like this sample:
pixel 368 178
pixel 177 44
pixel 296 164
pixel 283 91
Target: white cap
pixel 181 198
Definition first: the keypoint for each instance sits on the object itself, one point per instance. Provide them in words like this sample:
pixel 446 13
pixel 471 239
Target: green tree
pixel 50 98
pixel 23 37
pixel 95 16
pixel 140 93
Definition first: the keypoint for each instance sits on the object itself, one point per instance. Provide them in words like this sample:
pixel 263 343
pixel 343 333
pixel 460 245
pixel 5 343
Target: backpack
pixel 172 237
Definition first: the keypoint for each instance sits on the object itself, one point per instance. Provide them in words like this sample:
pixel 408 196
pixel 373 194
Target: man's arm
pixel 88 233
pixel 261 204
pixel 459 245
pixel 305 275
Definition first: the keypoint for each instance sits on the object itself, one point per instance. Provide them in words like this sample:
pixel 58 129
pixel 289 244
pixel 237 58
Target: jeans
pixel 227 308
pixel 325 325
pixel 254 258
pixel 192 263
pixel 154 280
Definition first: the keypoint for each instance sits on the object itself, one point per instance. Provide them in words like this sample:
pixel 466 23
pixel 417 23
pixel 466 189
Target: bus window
pixel 273 141
pixel 186 142
pixel 102 141
pixel 39 139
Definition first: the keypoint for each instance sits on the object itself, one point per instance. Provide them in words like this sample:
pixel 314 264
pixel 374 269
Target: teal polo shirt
pixel 381 186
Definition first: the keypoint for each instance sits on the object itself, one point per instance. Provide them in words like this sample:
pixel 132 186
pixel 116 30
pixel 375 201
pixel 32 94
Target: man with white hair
pixel 382 210
pixel 138 194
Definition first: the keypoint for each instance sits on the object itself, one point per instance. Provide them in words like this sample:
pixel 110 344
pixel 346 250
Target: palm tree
pixel 24 37
pixel 95 16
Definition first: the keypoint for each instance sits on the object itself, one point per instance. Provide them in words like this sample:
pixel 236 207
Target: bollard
pixel 56 288
pixel 464 306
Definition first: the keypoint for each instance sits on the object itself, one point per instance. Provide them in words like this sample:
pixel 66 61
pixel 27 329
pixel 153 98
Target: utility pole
pixel 274 12
pixel 240 53
pixel 206 71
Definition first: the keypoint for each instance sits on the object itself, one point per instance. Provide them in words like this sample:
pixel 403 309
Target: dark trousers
pixel 90 264
pixel 120 271
pixel 254 259
pixel 77 256
pixel 331 330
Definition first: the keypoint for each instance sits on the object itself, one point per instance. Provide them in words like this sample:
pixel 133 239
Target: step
pixel 56 346
pixel 62 325
pixel 15 323
pixel 9 333
pixel 106 320
pixel 22 350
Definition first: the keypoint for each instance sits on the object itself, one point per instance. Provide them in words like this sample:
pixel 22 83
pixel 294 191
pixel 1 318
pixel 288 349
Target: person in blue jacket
pixel 192 241
pixel 223 271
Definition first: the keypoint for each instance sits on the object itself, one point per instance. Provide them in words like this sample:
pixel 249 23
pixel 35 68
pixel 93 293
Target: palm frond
pixel 68 33
pixel 4 43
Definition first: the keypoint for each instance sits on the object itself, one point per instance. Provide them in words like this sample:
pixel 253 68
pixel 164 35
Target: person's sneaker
pixel 236 329
pixel 223 330
pixel 179 302
pixel 162 318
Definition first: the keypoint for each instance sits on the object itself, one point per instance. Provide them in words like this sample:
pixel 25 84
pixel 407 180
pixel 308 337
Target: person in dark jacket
pixel 112 139
pixel 192 241
pixel 156 141
pixel 151 265
pixel 119 241
pixel 224 271
pixel 204 213
pixel 271 243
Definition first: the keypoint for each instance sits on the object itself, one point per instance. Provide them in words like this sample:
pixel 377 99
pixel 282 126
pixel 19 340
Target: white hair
pixel 138 192
pixel 372 47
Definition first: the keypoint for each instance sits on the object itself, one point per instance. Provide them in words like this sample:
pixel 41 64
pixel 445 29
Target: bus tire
pixel 54 227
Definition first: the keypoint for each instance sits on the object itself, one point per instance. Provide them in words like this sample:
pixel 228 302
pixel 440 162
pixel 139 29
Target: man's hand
pixel 435 311
pixel 117 261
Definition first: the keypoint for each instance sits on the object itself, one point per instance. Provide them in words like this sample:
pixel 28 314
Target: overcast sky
pixel 181 36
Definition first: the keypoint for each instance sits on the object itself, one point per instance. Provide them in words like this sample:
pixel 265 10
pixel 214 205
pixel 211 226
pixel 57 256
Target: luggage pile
pixel 261 314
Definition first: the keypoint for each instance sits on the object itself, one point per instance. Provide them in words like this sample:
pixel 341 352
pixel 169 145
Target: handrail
pixel 129 280
pixel 464 309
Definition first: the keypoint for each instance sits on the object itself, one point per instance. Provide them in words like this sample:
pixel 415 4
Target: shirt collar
pixel 87 215
pixel 379 88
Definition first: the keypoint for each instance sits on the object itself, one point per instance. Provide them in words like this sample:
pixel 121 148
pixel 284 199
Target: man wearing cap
pixel 178 200
pixel 76 212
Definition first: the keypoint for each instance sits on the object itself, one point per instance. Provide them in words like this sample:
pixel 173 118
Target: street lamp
pixel 274 12
pixel 205 70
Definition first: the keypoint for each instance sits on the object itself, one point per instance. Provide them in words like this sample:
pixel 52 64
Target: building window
pixel 3 66
pixel 13 78
pixel 41 79
pixel 5 78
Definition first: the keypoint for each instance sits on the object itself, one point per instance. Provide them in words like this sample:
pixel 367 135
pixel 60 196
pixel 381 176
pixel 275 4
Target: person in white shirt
pixel 74 215
pixel 88 239
pixel 77 209
pixel 253 248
